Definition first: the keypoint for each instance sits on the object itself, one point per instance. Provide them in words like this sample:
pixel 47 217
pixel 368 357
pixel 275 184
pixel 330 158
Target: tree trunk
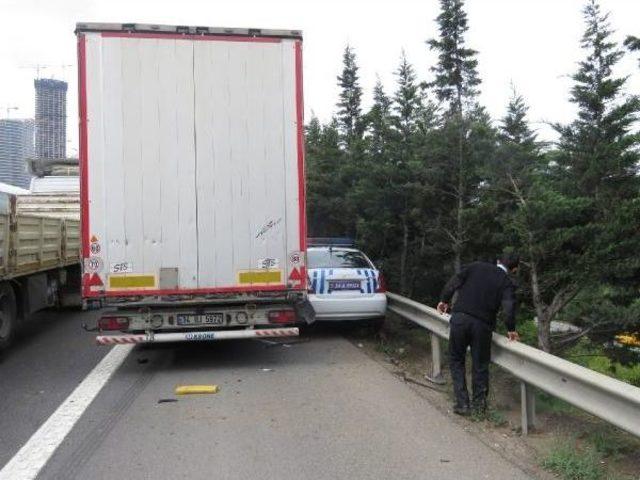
pixel 544 320
pixel 403 257
pixel 460 233
pixel 544 333
pixel 457 246
pixel 542 312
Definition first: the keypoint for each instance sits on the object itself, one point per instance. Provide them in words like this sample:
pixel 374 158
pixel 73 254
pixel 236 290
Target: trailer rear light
pixel 113 323
pixel 282 316
pixel 382 284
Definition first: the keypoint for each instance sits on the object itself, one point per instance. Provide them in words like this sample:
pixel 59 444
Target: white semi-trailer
pixel 192 181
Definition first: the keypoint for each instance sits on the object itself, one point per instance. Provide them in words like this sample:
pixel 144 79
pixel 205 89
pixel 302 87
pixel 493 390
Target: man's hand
pixel 443 307
pixel 513 336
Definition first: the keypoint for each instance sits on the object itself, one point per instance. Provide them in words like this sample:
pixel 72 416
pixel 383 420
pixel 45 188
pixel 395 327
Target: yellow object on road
pixel 190 389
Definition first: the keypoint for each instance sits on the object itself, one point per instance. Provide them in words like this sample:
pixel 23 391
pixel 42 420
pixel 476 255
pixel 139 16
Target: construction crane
pixel 41 66
pixel 8 110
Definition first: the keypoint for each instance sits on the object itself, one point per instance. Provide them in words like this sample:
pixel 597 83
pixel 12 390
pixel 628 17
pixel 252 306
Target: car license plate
pixel 206 319
pixel 344 285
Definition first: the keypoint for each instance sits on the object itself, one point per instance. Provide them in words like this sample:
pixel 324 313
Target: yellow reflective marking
pixel 260 276
pixel 132 281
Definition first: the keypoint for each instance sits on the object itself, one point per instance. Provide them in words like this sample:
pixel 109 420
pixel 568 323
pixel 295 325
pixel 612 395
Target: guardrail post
pixel 527 407
pixel 436 362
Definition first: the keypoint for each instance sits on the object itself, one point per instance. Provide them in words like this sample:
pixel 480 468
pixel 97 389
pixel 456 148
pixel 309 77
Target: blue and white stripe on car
pixel 320 278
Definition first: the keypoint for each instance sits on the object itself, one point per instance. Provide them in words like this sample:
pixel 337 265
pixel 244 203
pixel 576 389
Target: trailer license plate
pixel 213 319
pixel 206 319
pixel 189 320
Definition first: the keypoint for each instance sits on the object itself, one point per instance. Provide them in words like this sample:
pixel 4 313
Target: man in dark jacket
pixel 482 288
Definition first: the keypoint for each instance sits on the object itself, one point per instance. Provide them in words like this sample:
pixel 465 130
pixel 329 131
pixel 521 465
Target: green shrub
pixel 592 356
pixel 609 443
pixel 527 329
pixel 570 464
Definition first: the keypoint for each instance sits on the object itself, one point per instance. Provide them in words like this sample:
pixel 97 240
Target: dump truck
pixel 192 186
pixel 39 264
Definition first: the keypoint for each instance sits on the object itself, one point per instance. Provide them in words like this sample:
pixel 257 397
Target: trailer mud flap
pixel 305 311
pixel 202 336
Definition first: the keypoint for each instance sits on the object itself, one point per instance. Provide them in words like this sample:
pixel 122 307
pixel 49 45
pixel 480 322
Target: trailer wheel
pixel 8 315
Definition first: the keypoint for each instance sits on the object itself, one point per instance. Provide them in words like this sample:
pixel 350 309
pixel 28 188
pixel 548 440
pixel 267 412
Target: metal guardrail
pixel 611 400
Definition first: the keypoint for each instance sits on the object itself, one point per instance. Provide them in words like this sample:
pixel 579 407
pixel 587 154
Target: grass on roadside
pixel 610 443
pixel 569 463
pixel 491 415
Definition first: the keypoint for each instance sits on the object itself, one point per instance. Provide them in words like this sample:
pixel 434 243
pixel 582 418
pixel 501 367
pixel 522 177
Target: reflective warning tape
pixel 120 339
pixel 276 332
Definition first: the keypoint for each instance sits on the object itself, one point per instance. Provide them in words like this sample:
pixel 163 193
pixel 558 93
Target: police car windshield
pixel 332 258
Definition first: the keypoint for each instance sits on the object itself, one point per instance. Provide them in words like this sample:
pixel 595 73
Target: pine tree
pixel 597 146
pixel 313 133
pixel 327 209
pixel 379 121
pixel 349 103
pixel 375 224
pixel 597 165
pixel 405 175
pixel 407 100
pixel 455 84
pixel 633 44
pixel 515 127
pixel 521 189
pixel 456 76
pixel 525 210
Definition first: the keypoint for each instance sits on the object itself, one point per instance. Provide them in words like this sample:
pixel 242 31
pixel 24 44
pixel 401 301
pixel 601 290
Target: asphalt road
pixel 49 359
pixel 318 409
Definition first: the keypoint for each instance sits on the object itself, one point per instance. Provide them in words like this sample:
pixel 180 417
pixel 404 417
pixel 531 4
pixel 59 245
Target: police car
pixel 343 283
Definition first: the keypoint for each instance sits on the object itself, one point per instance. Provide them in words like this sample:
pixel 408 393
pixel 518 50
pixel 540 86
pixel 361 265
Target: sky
pixel 532 44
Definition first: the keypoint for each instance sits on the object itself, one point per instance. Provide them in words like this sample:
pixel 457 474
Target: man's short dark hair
pixel 510 260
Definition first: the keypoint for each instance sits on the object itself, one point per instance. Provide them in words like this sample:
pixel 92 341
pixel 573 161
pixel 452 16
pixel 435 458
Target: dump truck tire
pixel 8 315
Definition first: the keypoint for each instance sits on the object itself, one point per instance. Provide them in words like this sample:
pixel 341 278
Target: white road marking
pixel 33 456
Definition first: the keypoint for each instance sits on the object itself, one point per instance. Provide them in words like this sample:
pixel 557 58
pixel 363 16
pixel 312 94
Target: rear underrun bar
pixel 201 336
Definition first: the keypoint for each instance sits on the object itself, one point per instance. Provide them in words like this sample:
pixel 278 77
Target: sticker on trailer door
pixel 121 267
pixel 268 263
pixel 92 281
pixel 95 248
pixel 93 265
pixel 295 259
pixel 268 227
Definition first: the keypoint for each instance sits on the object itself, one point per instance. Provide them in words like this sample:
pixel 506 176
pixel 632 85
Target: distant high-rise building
pixel 16 145
pixel 51 118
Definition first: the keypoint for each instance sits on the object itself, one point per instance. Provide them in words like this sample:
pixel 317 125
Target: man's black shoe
pixel 463 410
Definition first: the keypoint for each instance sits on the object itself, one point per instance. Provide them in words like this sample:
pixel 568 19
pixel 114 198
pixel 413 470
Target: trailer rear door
pixel 192 168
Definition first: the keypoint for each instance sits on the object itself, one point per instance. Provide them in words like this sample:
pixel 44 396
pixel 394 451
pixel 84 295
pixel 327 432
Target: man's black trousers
pixel 467 331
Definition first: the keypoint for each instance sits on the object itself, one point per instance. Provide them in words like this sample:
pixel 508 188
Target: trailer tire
pixel 8 315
